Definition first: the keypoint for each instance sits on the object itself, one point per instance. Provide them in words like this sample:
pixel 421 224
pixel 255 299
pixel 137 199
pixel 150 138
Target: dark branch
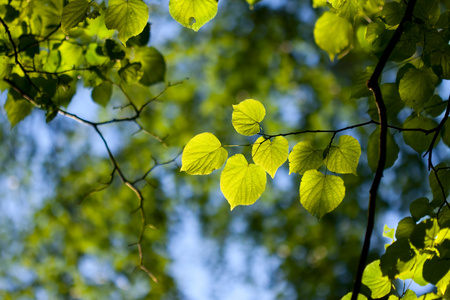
pixel 373 85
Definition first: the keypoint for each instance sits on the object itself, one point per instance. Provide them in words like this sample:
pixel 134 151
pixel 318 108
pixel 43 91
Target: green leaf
pixel 373 150
pixel 392 102
pixel 242 183
pixel 441 186
pixel 321 194
pixel 373 278
pixel 131 73
pixel 153 65
pixel 446 133
pixel 129 17
pixel 420 208
pixel 388 232
pixel 203 154
pixel 344 157
pixel 349 297
pixel 435 106
pixel 16 110
pixel 101 94
pixel 424 234
pixel 333 33
pixel 270 155
pixel 74 13
pixel 247 115
pixel 393 13
pixel 347 9
pixel 142 39
pixel 441 58
pixel 398 259
pixel 437 271
pixel 409 295
pixel 359 84
pixel 417 140
pixel 405 228
pixel 430 296
pixel 304 157
pixel 193 14
pixel 428 11
pixel 417 86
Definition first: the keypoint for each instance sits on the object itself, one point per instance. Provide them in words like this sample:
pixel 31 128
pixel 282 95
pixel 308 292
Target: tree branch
pixel 373 85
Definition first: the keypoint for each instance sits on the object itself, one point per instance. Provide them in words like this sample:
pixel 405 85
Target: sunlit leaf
pixel 73 13
pixel 247 115
pixel 321 194
pixel 203 154
pixel 344 157
pixel 349 297
pixel 128 17
pixel 373 278
pixel 304 157
pixel 193 13
pixel 333 33
pixel 242 183
pixel 270 155
pixel 398 259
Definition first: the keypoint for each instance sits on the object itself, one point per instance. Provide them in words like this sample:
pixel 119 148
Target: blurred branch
pixel 95 125
pixel 372 84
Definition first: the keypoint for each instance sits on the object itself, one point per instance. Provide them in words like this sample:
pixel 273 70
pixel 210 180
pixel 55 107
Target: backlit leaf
pixel 321 194
pixel 420 208
pixel 417 86
pixel 349 297
pixel 247 115
pixel 333 33
pixel 373 278
pixel 270 155
pixel 128 17
pixel 74 13
pixel 242 183
pixel 193 14
pixel 16 110
pixel 344 157
pixel 304 157
pixel 203 154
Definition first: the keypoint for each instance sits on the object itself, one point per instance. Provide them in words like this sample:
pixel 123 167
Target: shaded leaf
pixel 417 140
pixel 373 150
pixel 405 228
pixel 321 194
pixel 242 183
pixel 101 94
pixel 438 188
pixel 417 86
pixel 153 65
pixel 270 155
pixel 203 154
pixel 349 297
pixel 420 208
